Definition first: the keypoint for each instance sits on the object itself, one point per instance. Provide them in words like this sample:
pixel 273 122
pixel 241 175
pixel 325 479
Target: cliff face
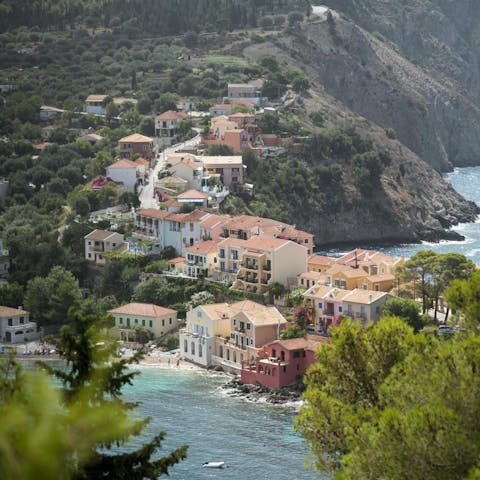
pixel 366 74
pixel 360 80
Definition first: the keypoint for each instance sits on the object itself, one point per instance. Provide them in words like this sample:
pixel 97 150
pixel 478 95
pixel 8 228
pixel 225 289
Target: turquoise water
pixel 257 441
pixel 467 182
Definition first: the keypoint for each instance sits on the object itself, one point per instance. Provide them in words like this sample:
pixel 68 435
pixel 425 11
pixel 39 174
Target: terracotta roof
pixel 216 311
pixel 123 163
pixel 152 213
pixel 263 242
pixel 320 260
pixel 244 305
pixel 136 138
pixel 99 235
pixel 236 242
pixel 142 161
pixel 172 179
pixel 172 203
pixel 214 220
pixel 262 315
pixel 313 275
pixel 246 222
pixel 177 260
pixel 203 248
pixel 326 292
pixel 381 277
pixel 96 98
pixel 297 344
pixel 347 271
pixel 8 311
pixel 195 194
pixel 188 163
pixel 143 309
pixel 195 216
pixel 364 296
pixel 171 115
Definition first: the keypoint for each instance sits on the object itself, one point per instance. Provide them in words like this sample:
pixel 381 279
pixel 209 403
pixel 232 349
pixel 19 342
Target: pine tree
pixel 94 365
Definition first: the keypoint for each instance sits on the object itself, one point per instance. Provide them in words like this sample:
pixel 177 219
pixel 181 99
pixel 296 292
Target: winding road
pixel 147 200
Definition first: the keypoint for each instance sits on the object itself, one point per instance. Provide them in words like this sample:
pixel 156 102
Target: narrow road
pixel 146 197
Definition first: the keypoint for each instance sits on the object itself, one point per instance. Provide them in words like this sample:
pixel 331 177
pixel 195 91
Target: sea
pixel 256 440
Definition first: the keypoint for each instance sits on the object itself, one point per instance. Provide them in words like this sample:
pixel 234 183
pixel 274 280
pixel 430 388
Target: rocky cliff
pixel 412 66
pixel 361 77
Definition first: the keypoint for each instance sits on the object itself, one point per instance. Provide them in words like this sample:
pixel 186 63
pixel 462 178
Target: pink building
pixel 280 362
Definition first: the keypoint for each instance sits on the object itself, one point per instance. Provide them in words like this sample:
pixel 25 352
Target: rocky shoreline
pixel 286 396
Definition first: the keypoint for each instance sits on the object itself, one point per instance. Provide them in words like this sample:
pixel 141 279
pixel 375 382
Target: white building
pixel 190 171
pixel 125 171
pixel 99 242
pixel 16 327
pixel 157 320
pixel 179 230
pixel 204 323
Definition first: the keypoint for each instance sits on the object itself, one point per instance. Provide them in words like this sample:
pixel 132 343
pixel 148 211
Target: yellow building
pixel 158 320
pixel 319 263
pixel 252 325
pixel 201 259
pixel 343 276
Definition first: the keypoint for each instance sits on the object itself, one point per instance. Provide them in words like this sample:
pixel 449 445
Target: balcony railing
pixel 328 312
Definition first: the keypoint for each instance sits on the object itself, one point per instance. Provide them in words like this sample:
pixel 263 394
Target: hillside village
pixel 166 200
pixel 180 189
pixel 175 193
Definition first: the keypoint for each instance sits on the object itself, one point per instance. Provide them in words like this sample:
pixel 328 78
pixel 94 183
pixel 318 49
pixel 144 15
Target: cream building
pixel 204 324
pixel 156 319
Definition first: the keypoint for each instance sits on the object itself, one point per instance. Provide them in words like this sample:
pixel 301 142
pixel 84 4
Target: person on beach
pixel 178 362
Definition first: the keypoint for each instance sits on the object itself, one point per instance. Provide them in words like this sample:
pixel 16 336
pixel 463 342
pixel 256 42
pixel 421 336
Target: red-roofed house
pixel 280 362
pixel 259 261
pixel 200 199
pixel 179 230
pixel 157 320
pixel 127 172
pixel 190 171
pixel 135 144
pixel 167 123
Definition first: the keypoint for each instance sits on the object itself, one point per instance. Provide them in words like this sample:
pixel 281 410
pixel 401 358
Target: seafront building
pixel 129 318
pixel 282 362
pixel 226 335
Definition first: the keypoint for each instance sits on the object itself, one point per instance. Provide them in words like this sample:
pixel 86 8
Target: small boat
pixel 214 465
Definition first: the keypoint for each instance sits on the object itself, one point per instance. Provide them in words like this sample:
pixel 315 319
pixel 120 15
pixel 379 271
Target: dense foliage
pixel 385 403
pixel 335 170
pixel 174 16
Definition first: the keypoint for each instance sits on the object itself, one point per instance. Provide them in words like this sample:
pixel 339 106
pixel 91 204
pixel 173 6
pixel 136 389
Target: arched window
pixel 235 356
pixel 220 351
pixel 185 345
pixel 193 348
pixel 228 354
pixel 200 350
